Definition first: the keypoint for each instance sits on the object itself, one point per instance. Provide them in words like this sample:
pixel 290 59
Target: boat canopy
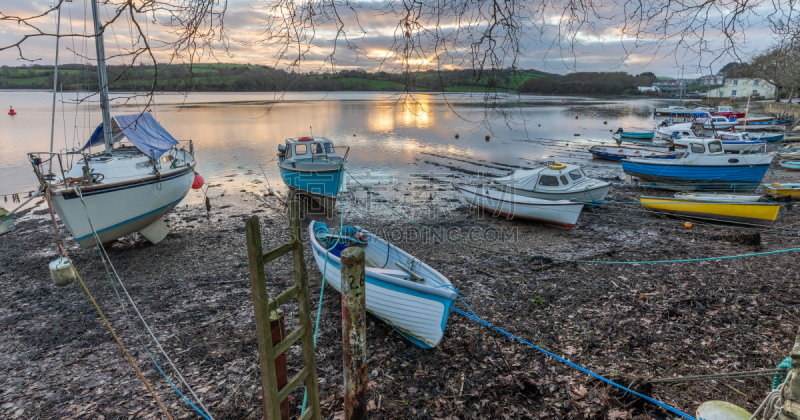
pixel 141 129
pixel 547 176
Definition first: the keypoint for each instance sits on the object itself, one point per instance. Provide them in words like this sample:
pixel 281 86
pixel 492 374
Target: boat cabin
pixel 554 177
pixel 717 120
pixel 307 149
pixel 706 147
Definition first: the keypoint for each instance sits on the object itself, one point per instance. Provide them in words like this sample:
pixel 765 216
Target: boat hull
pixel 758 215
pixel 738 177
pixel 783 190
pixel 637 136
pixel 617 154
pixel 560 214
pixel 116 210
pixel 322 182
pixel 417 312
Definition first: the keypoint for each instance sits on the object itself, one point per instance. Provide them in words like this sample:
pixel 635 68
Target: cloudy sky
pixel 538 35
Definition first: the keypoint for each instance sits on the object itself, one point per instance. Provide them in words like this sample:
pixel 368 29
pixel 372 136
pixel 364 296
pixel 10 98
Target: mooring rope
pixel 564 259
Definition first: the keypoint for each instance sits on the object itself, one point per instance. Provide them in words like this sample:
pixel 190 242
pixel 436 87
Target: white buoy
pixel 721 410
pixel 62 272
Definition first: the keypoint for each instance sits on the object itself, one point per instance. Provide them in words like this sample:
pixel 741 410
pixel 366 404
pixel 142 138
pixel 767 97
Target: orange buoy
pixel 198 181
pixel 487 137
pixel 576 117
pixel 688 224
pixel 11 111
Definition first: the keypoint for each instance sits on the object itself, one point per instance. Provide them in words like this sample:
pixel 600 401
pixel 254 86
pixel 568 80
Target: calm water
pixel 388 135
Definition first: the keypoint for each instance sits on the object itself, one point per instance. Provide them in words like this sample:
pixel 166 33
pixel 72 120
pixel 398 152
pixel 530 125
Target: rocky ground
pixel 630 323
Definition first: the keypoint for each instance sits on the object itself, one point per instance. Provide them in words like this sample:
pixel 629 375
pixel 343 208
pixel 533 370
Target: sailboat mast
pixel 102 77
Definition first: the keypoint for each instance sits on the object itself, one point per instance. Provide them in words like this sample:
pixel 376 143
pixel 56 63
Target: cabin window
pixel 733 160
pixel 329 148
pixel 548 181
pixel 300 149
pixel 316 148
pixel 564 180
pixel 698 148
pixel 715 147
pixel 575 175
pixel 288 152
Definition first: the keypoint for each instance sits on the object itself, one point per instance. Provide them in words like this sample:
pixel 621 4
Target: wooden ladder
pixel 263 306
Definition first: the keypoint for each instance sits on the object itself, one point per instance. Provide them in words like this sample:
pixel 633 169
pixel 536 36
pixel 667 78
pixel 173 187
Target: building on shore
pixel 648 89
pixel 739 87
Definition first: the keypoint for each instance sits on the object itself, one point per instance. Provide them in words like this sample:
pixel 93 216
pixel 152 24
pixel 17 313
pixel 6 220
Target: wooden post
pixel 277 324
pixel 354 342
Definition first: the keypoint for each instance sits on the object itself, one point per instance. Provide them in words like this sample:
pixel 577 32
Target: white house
pixel 739 87
pixel 648 89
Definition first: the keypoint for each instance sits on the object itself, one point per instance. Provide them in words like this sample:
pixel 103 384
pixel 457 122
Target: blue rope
pixel 476 318
pixel 778 379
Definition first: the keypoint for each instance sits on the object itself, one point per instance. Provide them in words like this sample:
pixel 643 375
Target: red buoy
pixel 198 182
pixel 11 111
pixel 576 117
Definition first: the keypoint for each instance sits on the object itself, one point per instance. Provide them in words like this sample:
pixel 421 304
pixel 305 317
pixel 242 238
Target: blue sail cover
pixel 140 129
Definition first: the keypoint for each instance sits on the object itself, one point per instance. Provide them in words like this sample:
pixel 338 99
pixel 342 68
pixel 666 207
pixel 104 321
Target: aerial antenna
pixel 312 131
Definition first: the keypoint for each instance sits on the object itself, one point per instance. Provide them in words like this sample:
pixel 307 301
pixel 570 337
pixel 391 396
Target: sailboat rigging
pixel 128 186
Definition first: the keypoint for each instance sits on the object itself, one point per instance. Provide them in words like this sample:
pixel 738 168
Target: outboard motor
pixel 282 150
pixel 619 130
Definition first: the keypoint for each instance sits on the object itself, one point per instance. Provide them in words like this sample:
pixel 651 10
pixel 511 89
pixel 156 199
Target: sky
pixel 373 38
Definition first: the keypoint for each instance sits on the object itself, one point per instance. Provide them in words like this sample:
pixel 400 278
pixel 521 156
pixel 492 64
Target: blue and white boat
pixel 791 164
pixel 771 138
pixel 312 165
pixel 704 165
pixel 401 290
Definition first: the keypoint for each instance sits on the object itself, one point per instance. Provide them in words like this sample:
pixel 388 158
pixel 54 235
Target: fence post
pixel 277 324
pixel 354 342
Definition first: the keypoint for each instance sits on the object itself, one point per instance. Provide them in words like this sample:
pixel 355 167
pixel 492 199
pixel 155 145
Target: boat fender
pixel 557 166
pixel 198 181
pixel 61 271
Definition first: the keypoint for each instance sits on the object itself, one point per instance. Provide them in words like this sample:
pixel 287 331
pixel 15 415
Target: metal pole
pixel 354 341
pixel 277 324
pixel 55 82
pixel 102 78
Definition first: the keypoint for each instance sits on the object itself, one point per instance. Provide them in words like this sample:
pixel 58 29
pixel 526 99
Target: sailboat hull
pixel 117 210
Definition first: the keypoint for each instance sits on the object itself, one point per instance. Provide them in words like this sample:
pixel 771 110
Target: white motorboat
pixel 557 181
pixel 125 188
pixel 561 214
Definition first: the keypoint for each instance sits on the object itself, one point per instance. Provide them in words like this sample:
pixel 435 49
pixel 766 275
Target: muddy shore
pixel 630 323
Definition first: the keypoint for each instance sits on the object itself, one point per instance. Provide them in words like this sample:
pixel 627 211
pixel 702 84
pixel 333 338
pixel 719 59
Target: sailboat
pixel 125 188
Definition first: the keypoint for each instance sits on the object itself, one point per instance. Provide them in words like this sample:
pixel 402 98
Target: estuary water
pixel 236 135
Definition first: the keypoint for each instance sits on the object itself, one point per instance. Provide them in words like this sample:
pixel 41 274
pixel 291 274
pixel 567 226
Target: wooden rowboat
pixel 753 215
pixel 717 198
pixel 646 135
pixel 782 190
pixel 401 290
pixel 622 152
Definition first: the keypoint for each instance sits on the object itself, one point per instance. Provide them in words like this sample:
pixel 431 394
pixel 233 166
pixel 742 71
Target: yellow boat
pixel 783 190
pixel 758 215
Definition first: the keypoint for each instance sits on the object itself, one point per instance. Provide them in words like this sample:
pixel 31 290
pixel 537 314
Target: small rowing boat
pixel 791 164
pixel 782 190
pixel 621 152
pixel 637 135
pixel 561 214
pixel 401 290
pixel 6 221
pixel 716 198
pixel 756 215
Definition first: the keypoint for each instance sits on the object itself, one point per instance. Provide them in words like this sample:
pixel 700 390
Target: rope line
pixel 564 259
pixel 477 319
pixel 104 257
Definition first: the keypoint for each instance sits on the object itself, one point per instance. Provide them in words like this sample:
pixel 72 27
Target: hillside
pixel 235 77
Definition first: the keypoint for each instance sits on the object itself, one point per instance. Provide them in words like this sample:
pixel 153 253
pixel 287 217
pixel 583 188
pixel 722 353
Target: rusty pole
pixel 277 324
pixel 354 341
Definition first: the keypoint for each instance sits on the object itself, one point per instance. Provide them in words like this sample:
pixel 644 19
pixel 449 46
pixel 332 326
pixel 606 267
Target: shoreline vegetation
pixel 257 78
